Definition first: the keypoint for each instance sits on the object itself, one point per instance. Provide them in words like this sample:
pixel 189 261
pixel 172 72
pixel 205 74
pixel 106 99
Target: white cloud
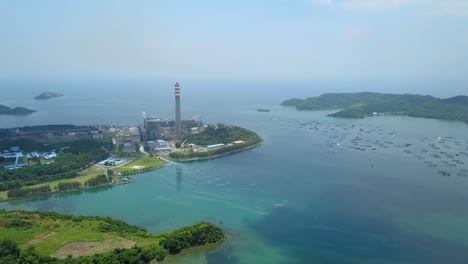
pixel 375 4
pixel 434 7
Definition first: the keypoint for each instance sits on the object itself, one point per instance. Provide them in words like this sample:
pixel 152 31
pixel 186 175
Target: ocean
pixel 318 190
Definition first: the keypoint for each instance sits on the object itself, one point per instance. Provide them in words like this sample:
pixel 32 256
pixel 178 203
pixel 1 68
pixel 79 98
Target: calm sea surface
pixel 319 190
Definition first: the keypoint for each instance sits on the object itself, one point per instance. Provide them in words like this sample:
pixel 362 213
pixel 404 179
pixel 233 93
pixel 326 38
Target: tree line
pixel 78 156
pixel 215 134
pixel 63 186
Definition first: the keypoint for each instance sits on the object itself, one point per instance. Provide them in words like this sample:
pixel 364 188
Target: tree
pixel 9 251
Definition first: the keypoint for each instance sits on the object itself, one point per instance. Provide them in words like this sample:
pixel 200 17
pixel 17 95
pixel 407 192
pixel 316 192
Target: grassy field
pixel 84 176
pixel 144 163
pixel 65 236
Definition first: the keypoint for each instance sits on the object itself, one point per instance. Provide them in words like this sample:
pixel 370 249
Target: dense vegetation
pixel 79 155
pixel 67 186
pixel 220 133
pixel 29 191
pixel 215 135
pixel 192 236
pixel 48 95
pixel 152 247
pixel 5 110
pixel 98 180
pixel 10 253
pixel 360 105
pixel 61 187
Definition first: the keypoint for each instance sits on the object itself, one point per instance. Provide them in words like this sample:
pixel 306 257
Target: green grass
pixel 63 231
pixel 84 176
pixel 143 163
pixel 20 236
pixel 3 195
pixel 71 234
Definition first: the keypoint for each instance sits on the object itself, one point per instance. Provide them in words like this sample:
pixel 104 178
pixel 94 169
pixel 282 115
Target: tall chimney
pixel 178 122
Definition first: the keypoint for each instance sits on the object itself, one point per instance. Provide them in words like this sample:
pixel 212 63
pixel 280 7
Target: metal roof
pixel 134 131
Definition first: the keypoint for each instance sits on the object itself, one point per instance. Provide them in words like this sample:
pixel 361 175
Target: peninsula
pixel 5 110
pixel 363 104
pixel 47 237
pixel 215 141
pixel 40 160
pixel 48 95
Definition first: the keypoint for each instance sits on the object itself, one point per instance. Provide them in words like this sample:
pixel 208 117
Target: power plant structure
pixel 177 110
pixel 156 128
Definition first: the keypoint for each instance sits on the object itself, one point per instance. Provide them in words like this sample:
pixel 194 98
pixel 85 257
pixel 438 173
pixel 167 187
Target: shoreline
pixel 380 114
pixel 169 161
pixel 218 155
pixel 111 184
pixel 58 192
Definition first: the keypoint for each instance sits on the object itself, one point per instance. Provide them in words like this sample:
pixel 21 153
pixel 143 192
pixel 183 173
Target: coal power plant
pixel 178 121
pixel 155 127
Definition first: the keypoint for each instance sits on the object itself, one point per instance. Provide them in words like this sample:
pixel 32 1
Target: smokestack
pixel 178 121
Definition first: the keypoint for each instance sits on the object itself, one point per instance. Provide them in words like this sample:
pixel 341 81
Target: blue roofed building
pixel 15 149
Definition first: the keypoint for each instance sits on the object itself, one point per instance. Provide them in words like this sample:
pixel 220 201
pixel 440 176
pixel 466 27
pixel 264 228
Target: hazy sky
pixel 236 39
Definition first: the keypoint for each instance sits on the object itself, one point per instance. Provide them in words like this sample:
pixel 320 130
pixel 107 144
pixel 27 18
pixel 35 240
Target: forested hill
pixel 5 110
pixel 360 105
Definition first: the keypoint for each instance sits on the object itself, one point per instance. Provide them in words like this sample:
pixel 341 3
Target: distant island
pixel 48 95
pixel 48 237
pixel 215 141
pixel 363 104
pixel 5 110
pixel 263 110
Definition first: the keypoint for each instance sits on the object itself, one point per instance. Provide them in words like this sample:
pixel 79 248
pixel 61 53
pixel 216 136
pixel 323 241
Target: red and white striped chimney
pixel 177 89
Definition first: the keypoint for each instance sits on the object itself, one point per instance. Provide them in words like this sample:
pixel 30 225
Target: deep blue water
pixel 309 194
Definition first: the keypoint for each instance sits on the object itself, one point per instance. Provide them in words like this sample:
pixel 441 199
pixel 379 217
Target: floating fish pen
pixel 444 173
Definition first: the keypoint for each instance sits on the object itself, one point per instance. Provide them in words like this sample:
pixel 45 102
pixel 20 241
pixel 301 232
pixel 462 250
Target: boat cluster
pixel 447 155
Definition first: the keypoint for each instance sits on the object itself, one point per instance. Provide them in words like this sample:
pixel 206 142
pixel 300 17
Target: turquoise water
pixel 319 190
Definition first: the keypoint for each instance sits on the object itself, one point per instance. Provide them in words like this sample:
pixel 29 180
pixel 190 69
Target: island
pixel 215 141
pixel 48 95
pixel 263 110
pixel 5 110
pixel 364 104
pixel 48 237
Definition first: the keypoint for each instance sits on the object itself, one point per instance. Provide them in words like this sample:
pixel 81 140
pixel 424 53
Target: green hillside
pixel 5 110
pixel 47 237
pixel 360 105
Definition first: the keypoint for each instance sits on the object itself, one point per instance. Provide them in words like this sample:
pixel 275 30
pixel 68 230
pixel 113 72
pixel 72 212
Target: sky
pixel 235 39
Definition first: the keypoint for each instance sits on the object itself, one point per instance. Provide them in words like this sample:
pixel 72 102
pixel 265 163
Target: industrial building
pixel 156 128
pixel 135 136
